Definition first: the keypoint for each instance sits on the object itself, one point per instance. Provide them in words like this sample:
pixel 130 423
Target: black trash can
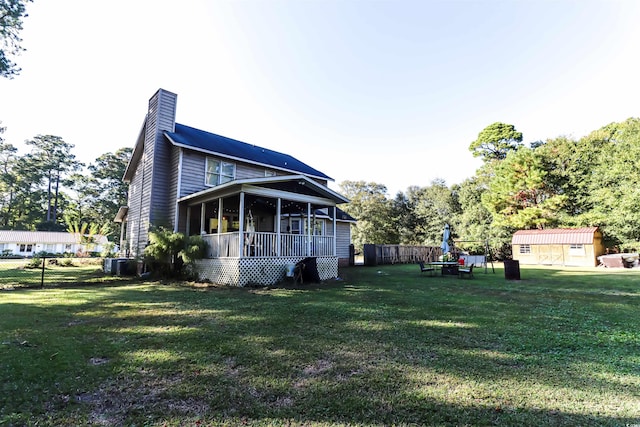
pixel 511 269
pixel 370 254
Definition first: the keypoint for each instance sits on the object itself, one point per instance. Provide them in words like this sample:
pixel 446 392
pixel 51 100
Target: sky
pixel 391 92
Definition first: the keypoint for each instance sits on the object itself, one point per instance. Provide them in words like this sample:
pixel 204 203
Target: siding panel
pixel 343 239
pixel 193 169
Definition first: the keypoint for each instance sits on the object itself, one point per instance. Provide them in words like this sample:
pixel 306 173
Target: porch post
pixel 241 230
pixel 220 207
pixel 188 227
pixel 203 212
pixel 308 229
pixel 278 230
pixel 335 230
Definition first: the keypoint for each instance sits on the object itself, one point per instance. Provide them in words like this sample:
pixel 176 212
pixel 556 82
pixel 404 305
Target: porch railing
pixel 265 244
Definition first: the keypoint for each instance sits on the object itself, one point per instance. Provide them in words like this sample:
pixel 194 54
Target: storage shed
pixel 558 246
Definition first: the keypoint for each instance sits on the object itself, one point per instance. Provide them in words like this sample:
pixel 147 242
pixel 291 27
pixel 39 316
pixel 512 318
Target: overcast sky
pixel 386 91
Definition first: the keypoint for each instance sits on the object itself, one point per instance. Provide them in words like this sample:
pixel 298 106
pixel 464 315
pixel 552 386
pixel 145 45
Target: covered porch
pixel 255 228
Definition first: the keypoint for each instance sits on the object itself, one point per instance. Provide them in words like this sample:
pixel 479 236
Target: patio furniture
pixel 424 268
pixel 449 268
pixel 466 271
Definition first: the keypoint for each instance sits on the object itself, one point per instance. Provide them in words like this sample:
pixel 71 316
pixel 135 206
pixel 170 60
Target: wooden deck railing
pixel 266 244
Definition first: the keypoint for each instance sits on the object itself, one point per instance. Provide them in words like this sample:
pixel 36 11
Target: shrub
pixel 66 262
pixel 170 254
pixel 35 262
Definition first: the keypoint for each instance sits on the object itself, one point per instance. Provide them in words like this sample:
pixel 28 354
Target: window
pixel 525 249
pixel 295 226
pixel 576 250
pixel 318 227
pixel 25 247
pixel 219 172
pixel 268 172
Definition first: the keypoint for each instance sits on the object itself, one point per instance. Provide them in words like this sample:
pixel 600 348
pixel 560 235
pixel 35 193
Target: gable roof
pixel 18 236
pixel 555 236
pixel 196 139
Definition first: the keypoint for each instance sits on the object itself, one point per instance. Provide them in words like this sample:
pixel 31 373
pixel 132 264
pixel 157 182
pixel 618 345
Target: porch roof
pixel 122 214
pixel 292 187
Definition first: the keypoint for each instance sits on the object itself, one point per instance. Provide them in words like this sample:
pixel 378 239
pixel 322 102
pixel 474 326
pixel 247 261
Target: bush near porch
pixel 382 346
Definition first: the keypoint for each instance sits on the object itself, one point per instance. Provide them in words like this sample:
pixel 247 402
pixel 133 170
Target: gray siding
pixel 162 200
pixel 174 167
pixel 148 194
pixel 343 239
pixel 137 218
pixel 193 172
pixel 193 169
pixel 245 171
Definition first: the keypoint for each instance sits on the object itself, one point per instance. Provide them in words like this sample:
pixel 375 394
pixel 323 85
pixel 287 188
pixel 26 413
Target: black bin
pixel 512 269
pixel 370 254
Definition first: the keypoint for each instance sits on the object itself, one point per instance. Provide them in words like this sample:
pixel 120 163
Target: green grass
pixel 383 346
pixel 17 274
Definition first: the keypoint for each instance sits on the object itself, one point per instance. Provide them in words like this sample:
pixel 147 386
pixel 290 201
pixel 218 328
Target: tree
pixel 82 199
pixel 53 156
pixel 373 211
pixel 29 199
pixel 614 195
pixel 496 141
pixel 109 192
pixel 473 224
pixel 8 159
pixel 85 233
pixel 11 14
pixel 519 196
pixel 431 207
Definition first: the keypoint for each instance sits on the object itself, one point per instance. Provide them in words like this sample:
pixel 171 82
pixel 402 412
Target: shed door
pixel 551 255
pixel 557 255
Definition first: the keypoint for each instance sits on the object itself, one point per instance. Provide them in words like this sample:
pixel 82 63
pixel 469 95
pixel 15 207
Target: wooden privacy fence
pixel 399 254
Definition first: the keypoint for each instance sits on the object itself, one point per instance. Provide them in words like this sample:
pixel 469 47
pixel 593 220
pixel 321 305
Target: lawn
pixel 383 346
pixel 17 273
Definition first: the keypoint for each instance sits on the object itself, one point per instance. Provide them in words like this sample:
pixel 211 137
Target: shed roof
pixel 208 142
pixel 554 236
pixel 51 237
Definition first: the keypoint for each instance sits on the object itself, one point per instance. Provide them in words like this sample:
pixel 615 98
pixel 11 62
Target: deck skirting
pixel 258 271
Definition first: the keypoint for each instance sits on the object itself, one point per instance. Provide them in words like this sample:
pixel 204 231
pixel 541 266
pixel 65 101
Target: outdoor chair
pixel 462 271
pixel 424 268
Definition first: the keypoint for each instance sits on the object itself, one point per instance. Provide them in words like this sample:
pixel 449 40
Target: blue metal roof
pixel 223 146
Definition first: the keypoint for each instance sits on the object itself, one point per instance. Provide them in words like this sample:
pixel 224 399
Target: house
pixel 258 210
pixel 29 243
pixel 565 246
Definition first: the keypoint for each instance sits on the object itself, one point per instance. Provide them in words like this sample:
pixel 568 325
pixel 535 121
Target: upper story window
pixel 219 172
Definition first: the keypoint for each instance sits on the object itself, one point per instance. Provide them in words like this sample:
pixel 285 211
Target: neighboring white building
pixel 29 243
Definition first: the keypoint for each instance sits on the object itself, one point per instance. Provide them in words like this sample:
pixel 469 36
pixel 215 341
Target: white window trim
pixel 28 247
pixel 222 164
